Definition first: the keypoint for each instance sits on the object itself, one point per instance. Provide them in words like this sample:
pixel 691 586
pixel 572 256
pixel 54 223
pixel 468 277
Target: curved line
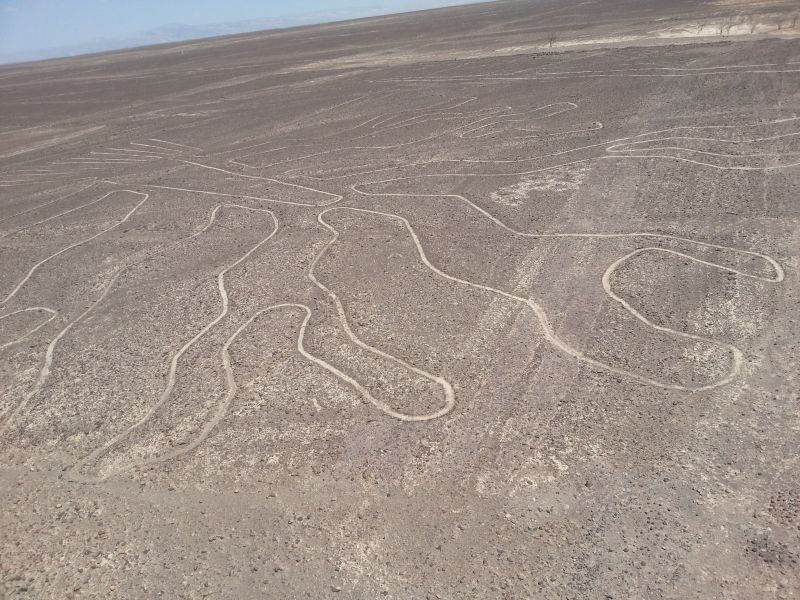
pixel 770 138
pixel 704 164
pixel 316 113
pixel 48 203
pixel 505 120
pixel 447 388
pixel 537 134
pixel 173 368
pixel 737 354
pixel 437 116
pixel 577 75
pixel 61 214
pixel 449 397
pixel 547 328
pixel 704 152
pixel 779 272
pixel 76 244
pixel 389 147
pixel 44 372
pixel 611 146
pixel 32 331
pixel 224 405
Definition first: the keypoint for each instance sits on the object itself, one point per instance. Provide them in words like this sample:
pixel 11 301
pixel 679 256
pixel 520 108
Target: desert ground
pixel 495 301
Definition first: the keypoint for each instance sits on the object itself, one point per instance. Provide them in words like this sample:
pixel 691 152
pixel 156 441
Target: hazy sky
pixel 32 29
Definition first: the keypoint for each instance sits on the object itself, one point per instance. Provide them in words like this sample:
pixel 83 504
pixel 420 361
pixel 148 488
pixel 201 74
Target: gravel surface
pixel 495 301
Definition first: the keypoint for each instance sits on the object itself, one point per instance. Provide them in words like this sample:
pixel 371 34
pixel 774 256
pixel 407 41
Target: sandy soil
pixel 497 301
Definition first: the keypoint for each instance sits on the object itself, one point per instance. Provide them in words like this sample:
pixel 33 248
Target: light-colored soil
pixel 422 306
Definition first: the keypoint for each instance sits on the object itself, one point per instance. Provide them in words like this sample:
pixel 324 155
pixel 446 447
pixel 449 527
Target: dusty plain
pixel 497 301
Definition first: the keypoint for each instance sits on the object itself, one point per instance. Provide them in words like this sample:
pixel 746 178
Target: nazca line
pixel 52 316
pixel 173 144
pixel 130 150
pixel 469 127
pixel 547 76
pixel 48 360
pixel 549 333
pixel 76 244
pixel 539 311
pixel 689 70
pixel 120 157
pixel 736 353
pixel 232 387
pixel 541 315
pixel 61 214
pixel 503 119
pixel 127 159
pixel 448 104
pixel 44 373
pixel 617 147
pixel 173 368
pixel 336 197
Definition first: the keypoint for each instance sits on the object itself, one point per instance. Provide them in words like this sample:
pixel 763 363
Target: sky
pixel 36 29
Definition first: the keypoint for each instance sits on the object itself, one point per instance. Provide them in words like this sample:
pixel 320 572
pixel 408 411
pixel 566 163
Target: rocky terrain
pixel 495 301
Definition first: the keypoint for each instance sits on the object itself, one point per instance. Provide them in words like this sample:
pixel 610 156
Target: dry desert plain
pixel 495 301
